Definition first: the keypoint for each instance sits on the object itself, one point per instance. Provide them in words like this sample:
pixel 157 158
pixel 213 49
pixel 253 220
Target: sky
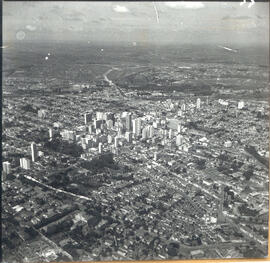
pixel 220 22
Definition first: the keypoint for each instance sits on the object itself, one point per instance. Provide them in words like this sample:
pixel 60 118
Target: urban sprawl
pixel 161 179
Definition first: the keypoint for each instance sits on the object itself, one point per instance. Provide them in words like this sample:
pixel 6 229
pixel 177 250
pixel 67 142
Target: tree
pixel 248 174
pixel 173 249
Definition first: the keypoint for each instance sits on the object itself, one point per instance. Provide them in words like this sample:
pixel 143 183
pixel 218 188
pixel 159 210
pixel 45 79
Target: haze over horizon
pixel 145 22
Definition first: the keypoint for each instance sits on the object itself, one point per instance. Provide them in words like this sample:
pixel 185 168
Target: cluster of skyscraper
pixel 113 130
pixel 25 163
pixel 108 129
pixel 124 129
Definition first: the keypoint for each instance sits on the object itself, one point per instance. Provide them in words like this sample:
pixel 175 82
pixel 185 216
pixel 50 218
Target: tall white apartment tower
pixel 198 103
pixel 34 152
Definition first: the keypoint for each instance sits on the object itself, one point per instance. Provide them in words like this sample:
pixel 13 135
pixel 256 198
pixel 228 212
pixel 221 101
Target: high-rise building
pixel 179 128
pixel 170 133
pixel 183 107
pixel 97 123
pixel 88 141
pixel 90 129
pixel 228 144
pixel 172 106
pixel 198 103
pixel 223 102
pixel 34 152
pixel 116 141
pixel 134 126
pixel 137 126
pixel 180 113
pixel 128 122
pixel 68 135
pixel 96 141
pixel 163 122
pixel 87 118
pixel 144 133
pixel 124 114
pixel 241 105
pixel 139 121
pixel 151 131
pixel 83 140
pixel 88 136
pixel 25 163
pixel 100 115
pixel 122 122
pixel 84 146
pixel 100 147
pixel 109 124
pixel 110 138
pixel 165 133
pixel 115 150
pixel 120 131
pixel 179 139
pixel 129 136
pixel 6 169
pixel 51 132
pixel 109 116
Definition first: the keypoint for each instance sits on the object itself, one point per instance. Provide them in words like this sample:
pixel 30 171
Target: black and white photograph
pixel 134 130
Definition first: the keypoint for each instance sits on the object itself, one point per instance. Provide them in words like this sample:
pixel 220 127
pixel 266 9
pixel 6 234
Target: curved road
pixel 111 84
pixel 57 190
